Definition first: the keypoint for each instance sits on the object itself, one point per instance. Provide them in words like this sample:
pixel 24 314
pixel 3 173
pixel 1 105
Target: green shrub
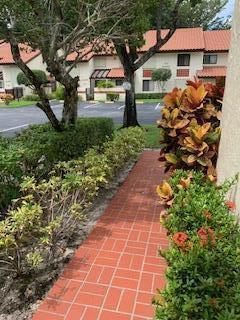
pixel 31 97
pixel 203 275
pixel 40 75
pixel 156 95
pixel 51 96
pixel 105 84
pixel 35 97
pixel 36 150
pixel 52 209
pixel 60 93
pixel 112 96
pixel 161 76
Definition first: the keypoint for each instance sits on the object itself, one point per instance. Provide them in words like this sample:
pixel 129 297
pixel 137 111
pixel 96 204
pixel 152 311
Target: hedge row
pixel 39 147
pixel 50 210
pixel 203 275
pixel 156 95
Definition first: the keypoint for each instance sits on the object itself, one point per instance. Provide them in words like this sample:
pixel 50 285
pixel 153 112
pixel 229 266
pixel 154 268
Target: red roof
pixel 217 40
pixel 116 73
pixel 212 72
pixel 184 39
pixel 27 54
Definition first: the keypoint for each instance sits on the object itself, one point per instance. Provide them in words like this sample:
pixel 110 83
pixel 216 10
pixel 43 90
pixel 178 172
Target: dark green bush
pixel 203 275
pixel 36 149
pixel 40 75
pixel 156 95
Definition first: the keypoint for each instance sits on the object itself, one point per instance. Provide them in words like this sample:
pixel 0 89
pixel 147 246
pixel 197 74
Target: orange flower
pixel 206 236
pixel 207 214
pixel 213 302
pixel 180 239
pixel 231 205
pixel 220 282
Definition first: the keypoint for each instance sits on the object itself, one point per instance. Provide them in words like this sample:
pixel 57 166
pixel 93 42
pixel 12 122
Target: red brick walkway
pixel 115 273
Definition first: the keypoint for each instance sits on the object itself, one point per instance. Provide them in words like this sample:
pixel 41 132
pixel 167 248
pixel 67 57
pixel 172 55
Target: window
pixel 210 59
pixel 119 82
pixel 148 85
pixel 183 60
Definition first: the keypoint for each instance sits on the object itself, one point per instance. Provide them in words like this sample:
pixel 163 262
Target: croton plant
pixel 190 127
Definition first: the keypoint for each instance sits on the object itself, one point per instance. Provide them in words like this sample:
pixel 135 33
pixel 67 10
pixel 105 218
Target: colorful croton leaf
pixel 165 193
pixel 174 98
pixel 190 128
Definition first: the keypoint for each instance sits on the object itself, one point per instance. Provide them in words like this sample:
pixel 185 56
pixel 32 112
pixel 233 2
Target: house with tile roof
pixel 9 70
pixel 190 52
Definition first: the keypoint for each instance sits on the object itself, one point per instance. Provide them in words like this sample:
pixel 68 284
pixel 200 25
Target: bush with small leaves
pixel 37 149
pixel 52 209
pixel 203 273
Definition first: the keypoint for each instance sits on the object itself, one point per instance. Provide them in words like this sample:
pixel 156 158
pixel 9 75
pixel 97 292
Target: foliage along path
pixel 116 271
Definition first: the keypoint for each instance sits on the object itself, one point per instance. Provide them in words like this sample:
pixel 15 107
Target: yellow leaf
pixel 175 113
pixel 171 157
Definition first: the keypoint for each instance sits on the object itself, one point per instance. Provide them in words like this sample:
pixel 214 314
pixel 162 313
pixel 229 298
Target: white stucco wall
pixel 169 60
pixel 85 69
pixel 11 71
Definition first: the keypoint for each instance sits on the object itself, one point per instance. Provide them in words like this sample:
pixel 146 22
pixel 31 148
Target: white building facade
pixel 191 52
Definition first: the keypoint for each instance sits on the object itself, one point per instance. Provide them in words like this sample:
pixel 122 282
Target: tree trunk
pixel 44 105
pixel 229 152
pixel 130 110
pixel 70 107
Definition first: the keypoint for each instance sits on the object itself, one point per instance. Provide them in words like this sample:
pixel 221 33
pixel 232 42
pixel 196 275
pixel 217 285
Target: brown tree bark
pixel 69 115
pixel 70 112
pixel 130 110
pixel 44 104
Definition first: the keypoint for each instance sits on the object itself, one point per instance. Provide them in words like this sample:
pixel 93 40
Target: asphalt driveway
pixel 17 119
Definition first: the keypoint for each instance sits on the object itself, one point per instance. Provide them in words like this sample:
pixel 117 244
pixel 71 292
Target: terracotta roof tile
pixel 212 72
pixel 27 53
pixel 217 40
pixel 183 39
pixel 116 73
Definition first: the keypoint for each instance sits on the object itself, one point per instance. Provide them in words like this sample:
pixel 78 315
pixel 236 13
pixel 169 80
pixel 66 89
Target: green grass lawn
pixel 18 104
pixel 152 135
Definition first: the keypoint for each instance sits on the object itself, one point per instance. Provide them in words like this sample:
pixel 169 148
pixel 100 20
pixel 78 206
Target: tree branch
pixel 159 40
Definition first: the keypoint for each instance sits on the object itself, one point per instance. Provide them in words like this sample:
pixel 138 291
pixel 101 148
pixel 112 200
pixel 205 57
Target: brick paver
pixel 116 271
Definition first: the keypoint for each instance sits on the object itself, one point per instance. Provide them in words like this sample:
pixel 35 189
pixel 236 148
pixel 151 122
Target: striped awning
pixel 115 73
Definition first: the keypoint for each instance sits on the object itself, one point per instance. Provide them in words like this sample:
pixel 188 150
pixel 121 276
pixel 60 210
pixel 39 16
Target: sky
pixel 228 9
